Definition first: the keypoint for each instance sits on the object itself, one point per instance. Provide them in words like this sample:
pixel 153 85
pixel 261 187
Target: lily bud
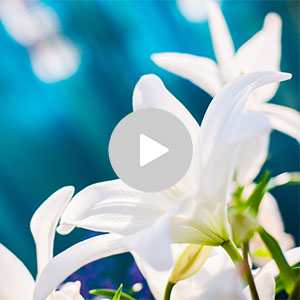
pixel 190 262
pixel 243 225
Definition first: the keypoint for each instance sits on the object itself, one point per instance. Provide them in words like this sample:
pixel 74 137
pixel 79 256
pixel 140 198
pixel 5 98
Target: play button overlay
pixel 150 150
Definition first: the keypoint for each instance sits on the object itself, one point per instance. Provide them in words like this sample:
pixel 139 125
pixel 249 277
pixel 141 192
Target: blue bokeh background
pixel 54 135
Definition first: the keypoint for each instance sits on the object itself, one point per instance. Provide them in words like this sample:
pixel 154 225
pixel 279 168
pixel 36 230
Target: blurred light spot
pixel 193 10
pixel 26 26
pixel 53 57
pixel 137 287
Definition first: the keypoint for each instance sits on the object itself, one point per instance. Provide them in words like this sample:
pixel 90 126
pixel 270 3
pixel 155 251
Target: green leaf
pixel 258 193
pixel 278 279
pixel 284 179
pixel 117 295
pixel 286 272
pixel 111 294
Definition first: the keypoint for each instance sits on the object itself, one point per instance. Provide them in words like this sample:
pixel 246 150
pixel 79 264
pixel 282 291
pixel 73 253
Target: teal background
pixel 54 135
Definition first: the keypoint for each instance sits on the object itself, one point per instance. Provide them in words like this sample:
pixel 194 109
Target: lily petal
pixel 202 71
pixel 262 52
pixel 157 279
pixel 44 222
pixel 221 38
pixel 252 155
pixel 284 119
pixel 227 108
pixel 224 121
pixel 112 206
pixel 70 260
pixel 223 126
pixel 228 287
pixel 265 285
pixel 151 92
pixel 16 282
pixel 152 244
pixel 201 286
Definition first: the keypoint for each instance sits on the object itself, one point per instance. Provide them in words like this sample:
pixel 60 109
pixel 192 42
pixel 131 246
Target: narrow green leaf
pixel 110 294
pixel 117 295
pixel 284 179
pixel 286 272
pixel 258 193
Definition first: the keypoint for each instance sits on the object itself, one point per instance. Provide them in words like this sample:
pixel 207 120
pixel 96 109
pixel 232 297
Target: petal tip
pixel 147 80
pixel 272 19
pixel 285 76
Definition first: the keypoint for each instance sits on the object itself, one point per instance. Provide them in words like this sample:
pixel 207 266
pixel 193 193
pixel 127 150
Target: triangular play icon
pixel 150 150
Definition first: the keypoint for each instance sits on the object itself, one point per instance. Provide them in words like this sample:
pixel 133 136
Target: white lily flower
pixel 16 282
pixel 261 53
pixel 193 211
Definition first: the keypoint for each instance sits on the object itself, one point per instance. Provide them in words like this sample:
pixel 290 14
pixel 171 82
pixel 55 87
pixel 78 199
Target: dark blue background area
pixel 54 135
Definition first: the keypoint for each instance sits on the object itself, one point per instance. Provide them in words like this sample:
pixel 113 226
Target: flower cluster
pixel 199 238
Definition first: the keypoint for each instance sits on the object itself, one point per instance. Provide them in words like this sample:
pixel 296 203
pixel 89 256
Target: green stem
pixel 233 252
pixel 168 290
pixel 252 287
pixel 236 257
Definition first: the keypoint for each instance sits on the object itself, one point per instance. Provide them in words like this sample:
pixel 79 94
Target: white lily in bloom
pixel 16 282
pixel 261 53
pixel 193 211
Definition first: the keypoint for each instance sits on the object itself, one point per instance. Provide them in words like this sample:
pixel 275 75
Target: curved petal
pixel 224 126
pixel 284 119
pixel 224 122
pixel 151 92
pixel 252 155
pixel 224 115
pixel 112 206
pixel 202 71
pixel 70 260
pixel 261 53
pixel 228 286
pixel 44 222
pixel 157 280
pixel 16 282
pixel 265 285
pixel 153 244
pixel 221 38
